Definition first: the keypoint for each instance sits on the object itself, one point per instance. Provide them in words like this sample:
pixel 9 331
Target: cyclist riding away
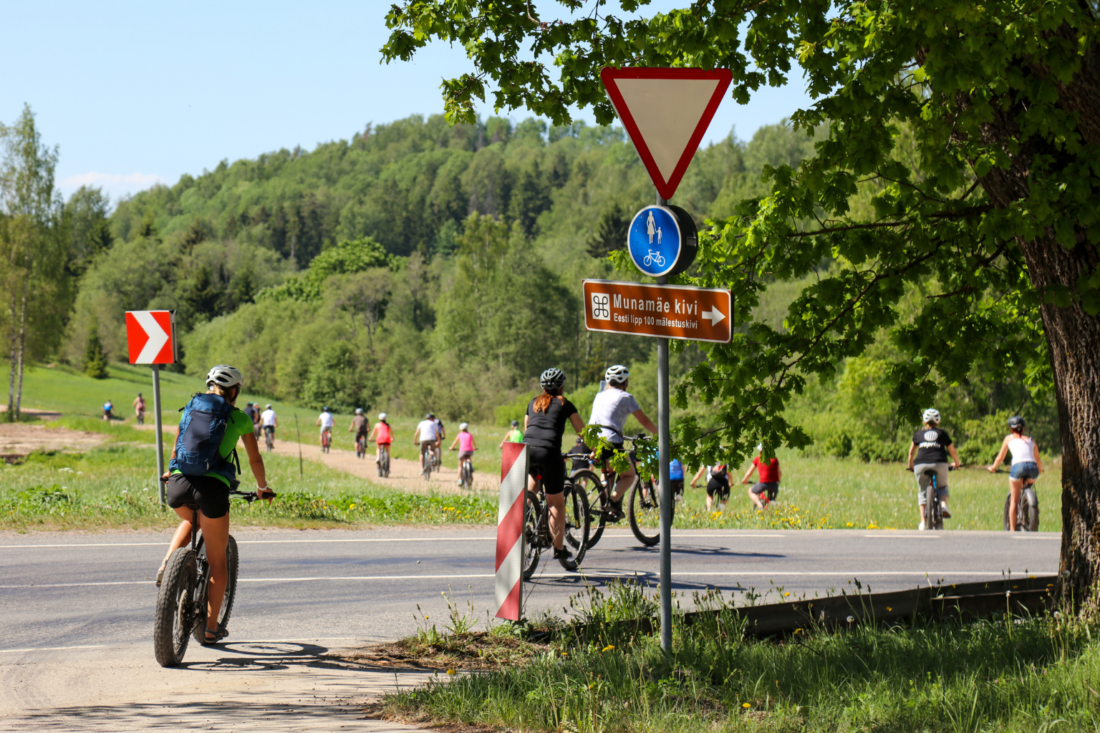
pixel 360 425
pixel 929 452
pixel 326 422
pixel 268 422
pixel 514 435
pixel 610 410
pixel 543 428
pixel 253 415
pixel 768 485
pixel 210 490
pixel 466 447
pixel 1026 465
pixel 139 409
pixel 107 407
pixel 440 431
pixel 718 484
pixel 427 437
pixel 382 435
pixel 676 478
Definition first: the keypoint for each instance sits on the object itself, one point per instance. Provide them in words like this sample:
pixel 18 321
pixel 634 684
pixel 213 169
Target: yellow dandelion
pixel 450 671
pixel 746 705
pixel 609 648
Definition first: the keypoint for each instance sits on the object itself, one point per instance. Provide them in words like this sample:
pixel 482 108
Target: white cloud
pixel 114 184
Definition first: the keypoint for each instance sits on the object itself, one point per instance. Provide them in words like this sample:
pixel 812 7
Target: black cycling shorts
pixel 210 494
pixel 604 454
pixel 771 488
pixel 548 463
pixel 716 486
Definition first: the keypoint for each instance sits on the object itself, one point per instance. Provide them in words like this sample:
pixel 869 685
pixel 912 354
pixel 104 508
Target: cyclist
pixel 139 409
pixel 427 437
pixel 269 421
pixel 610 410
pixel 382 435
pixel 514 435
pixel 359 425
pixel 466 447
pixel 107 407
pixel 929 452
pixel 768 485
pixel 676 478
pixel 326 423
pixel 440 432
pixel 580 455
pixel 543 427
pixel 1026 465
pixel 254 416
pixel 211 493
pixel 718 484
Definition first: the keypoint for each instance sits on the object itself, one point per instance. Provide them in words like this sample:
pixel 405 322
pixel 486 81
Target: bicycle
pixel 933 511
pixel 360 446
pixel 383 463
pixel 181 601
pixel 653 258
pixel 466 473
pixel 141 417
pixel 269 438
pixel 642 498
pixel 1027 510
pixel 536 524
pixel 326 441
pixel 427 462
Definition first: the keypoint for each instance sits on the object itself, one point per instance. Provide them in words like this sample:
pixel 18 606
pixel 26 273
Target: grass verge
pixel 1009 674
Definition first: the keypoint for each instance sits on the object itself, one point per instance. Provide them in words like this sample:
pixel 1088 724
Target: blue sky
pixel 138 93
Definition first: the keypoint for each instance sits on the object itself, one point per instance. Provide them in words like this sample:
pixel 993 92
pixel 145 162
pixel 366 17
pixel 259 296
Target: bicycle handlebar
pixel 249 496
pixel 949 468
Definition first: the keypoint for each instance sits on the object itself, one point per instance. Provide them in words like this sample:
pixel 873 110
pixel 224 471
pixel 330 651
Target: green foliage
pixel 95 361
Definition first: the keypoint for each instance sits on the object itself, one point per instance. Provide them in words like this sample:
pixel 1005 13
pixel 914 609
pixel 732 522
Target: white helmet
pixel 931 415
pixel 617 374
pixel 381 416
pixel 464 426
pixel 224 376
pixel 358 410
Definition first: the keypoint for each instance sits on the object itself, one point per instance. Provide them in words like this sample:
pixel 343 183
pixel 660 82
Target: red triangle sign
pixel 666 112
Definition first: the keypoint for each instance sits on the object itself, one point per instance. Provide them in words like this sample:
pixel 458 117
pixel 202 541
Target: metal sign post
pixel 161 490
pixel 664 448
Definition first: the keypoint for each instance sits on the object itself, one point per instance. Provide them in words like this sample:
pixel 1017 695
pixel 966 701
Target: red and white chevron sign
pixel 513 482
pixel 151 337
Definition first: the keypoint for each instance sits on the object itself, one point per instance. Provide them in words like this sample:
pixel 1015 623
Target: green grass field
pixel 816 493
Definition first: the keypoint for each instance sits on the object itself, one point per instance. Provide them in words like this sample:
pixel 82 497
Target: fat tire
pixel 532 513
pixel 639 504
pixel 179 578
pixel 232 566
pixel 588 481
pixel 577 518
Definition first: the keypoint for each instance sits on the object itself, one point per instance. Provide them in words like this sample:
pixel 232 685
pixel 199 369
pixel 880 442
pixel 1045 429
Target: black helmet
pixel 1015 422
pixel 515 423
pixel 552 378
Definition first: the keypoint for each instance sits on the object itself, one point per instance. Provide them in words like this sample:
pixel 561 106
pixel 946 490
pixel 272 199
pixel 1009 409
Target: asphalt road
pixel 82 601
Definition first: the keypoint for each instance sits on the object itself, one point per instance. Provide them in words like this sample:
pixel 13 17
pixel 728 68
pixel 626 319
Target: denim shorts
pixel 1024 470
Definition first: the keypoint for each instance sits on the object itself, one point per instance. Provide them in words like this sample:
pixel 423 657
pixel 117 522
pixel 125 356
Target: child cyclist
pixel 768 485
pixel 466 447
pixel 382 435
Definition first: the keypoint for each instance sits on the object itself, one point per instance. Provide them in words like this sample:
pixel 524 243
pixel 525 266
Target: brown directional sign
pixel 661 311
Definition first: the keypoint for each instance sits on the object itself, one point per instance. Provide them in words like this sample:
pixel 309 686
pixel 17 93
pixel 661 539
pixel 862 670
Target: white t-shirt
pixel 267 418
pixel 326 420
pixel 428 430
pixel 1023 450
pixel 611 408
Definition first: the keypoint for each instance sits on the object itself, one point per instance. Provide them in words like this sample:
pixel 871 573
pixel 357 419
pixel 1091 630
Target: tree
pixel 610 233
pixel 33 245
pixel 996 203
pixel 86 218
pixel 95 360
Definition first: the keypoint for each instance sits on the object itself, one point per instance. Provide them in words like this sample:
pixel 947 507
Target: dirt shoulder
pixel 19 439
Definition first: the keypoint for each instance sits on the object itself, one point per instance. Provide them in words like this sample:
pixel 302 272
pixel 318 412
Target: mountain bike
pixel 383 463
pixel 427 462
pixel 933 511
pixel 269 438
pixel 466 474
pixel 360 446
pixel 536 524
pixel 1027 510
pixel 326 441
pixel 181 602
pixel 437 458
pixel 643 504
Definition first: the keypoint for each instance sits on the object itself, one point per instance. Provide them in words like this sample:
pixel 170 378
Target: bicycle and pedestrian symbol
pixel 658 238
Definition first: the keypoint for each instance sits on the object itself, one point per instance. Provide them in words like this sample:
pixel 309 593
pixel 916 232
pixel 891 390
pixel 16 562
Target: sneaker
pixel 566 559
pixel 944 512
pixel 922 527
pixel 616 511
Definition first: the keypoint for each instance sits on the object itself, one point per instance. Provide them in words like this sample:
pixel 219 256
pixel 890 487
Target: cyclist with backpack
pixel 203 471
pixel 928 452
pixel 718 484
pixel 543 428
pixel 1026 465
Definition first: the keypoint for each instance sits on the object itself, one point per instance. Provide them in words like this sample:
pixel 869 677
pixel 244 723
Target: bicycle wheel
pixel 202 587
pixel 577 521
pixel 645 513
pixel 385 463
pixel 173 619
pixel 589 483
pixel 231 566
pixel 532 515
pixel 427 466
pixel 930 508
pixel 1029 511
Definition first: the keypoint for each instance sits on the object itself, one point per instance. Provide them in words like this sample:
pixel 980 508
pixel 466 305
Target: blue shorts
pixel 1024 470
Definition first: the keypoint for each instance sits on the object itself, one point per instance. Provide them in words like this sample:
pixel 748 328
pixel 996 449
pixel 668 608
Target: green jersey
pixel 516 436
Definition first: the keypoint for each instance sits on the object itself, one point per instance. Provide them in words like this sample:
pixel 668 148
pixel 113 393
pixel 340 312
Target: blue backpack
pixel 675 470
pixel 202 429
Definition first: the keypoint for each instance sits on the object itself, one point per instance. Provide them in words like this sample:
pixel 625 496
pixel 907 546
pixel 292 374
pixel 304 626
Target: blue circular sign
pixel 655 240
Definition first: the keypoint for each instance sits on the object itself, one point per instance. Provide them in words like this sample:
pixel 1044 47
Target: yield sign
pixel 666 112
pixel 151 336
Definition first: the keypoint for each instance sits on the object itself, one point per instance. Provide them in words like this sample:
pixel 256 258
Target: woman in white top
pixel 1026 465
